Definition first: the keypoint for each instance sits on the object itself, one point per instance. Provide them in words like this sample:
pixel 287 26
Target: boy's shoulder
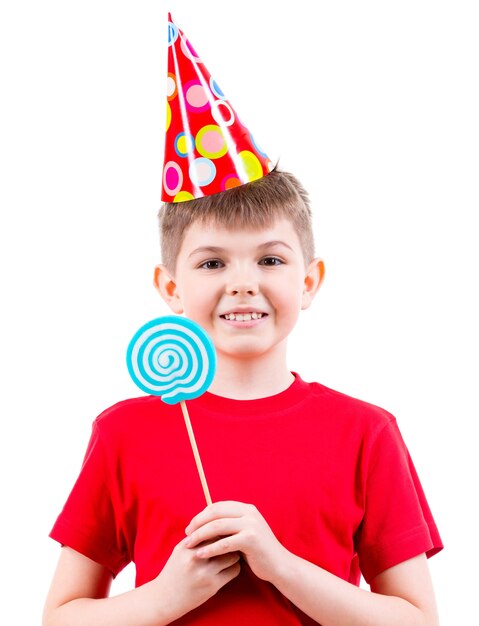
pixel 347 408
pixel 129 404
pixel 130 411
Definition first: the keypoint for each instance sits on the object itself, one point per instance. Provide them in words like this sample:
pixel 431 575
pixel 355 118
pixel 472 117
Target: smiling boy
pixel 246 288
pixel 311 488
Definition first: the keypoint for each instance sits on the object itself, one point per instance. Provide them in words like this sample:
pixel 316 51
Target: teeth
pixel 243 317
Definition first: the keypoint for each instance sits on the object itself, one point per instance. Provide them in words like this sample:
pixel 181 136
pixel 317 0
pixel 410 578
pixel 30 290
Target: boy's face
pixel 246 288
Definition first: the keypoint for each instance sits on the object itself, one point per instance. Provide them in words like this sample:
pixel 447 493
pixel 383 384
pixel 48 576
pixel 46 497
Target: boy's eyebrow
pixel 271 244
pixel 210 249
pixel 218 250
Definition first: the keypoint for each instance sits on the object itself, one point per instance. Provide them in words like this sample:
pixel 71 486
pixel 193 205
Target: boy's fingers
pixel 216 528
pixel 218 548
pixel 226 560
pixel 215 511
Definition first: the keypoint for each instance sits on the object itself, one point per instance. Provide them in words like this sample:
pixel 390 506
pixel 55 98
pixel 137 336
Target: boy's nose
pixel 242 286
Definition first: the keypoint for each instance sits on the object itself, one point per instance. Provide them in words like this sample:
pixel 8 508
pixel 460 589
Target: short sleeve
pixel 90 521
pixel 397 523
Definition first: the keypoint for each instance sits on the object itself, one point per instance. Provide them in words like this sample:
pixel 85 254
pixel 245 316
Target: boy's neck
pixel 249 379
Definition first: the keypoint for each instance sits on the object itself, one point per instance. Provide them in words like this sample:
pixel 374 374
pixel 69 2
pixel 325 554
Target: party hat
pixel 207 148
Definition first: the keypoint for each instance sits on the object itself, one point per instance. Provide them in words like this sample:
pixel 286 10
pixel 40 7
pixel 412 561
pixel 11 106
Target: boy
pixel 310 487
pixel 267 438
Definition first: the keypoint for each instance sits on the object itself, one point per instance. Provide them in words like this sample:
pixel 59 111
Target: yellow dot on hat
pixel 210 142
pixel 251 164
pixel 168 115
pixel 183 196
pixel 184 144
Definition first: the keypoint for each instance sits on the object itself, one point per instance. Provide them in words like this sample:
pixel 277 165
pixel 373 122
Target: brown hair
pixel 255 205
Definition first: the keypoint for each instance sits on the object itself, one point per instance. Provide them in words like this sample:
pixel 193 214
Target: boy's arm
pixel 79 591
pixel 79 595
pixel 400 596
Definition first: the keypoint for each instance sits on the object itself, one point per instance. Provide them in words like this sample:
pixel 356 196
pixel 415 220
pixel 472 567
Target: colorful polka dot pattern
pixel 207 147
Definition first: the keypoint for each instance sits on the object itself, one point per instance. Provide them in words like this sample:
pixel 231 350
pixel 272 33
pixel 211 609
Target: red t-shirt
pixel 330 474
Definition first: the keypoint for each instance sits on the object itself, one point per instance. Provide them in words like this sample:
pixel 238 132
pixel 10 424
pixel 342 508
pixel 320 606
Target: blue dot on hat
pixel 184 144
pixel 202 171
pixel 216 89
pixel 258 148
pixel 172 33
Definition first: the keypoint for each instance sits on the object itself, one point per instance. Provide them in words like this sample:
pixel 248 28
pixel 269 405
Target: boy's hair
pixel 255 205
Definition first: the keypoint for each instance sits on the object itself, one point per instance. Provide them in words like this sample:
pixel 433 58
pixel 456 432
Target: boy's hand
pixel 188 581
pixel 237 527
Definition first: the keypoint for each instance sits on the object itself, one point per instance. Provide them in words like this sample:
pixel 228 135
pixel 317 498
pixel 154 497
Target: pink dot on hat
pixel 210 142
pixel 172 178
pixel 196 96
pixel 188 50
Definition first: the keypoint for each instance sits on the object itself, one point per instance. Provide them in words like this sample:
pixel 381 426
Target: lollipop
pixel 174 358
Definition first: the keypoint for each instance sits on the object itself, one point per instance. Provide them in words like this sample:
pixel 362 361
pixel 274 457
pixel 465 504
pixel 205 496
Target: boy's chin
pixel 245 350
pixel 250 349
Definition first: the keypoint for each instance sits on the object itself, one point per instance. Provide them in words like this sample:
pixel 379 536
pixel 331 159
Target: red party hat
pixel 207 148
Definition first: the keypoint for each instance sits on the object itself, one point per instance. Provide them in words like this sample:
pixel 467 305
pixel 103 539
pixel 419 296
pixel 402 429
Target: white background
pixel 373 105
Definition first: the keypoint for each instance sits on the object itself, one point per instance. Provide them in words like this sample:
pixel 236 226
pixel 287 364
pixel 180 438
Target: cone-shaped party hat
pixel 207 148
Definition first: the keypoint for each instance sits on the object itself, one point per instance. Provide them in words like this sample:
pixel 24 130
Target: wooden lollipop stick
pixel 196 454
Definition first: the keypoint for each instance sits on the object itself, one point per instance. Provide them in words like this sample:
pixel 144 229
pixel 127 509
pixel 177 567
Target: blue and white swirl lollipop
pixel 173 357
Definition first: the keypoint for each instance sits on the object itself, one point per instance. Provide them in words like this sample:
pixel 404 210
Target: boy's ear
pixel 165 283
pixel 312 281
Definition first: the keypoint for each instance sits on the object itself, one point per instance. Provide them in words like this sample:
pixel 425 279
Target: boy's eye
pixel 270 261
pixel 212 264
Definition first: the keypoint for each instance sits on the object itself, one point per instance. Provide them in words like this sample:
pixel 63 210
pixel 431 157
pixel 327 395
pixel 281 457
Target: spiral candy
pixel 172 357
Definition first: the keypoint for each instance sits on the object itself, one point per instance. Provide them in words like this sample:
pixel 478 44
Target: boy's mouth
pixel 243 317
